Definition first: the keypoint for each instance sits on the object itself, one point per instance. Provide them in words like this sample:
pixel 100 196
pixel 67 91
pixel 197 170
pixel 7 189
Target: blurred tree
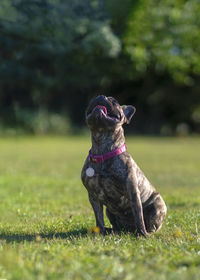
pixel 163 42
pixel 51 50
pixel 55 54
pixel 165 35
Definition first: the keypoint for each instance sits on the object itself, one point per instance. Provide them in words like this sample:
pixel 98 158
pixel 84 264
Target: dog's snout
pixel 102 98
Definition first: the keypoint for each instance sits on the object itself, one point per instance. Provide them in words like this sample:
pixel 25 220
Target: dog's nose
pixel 102 98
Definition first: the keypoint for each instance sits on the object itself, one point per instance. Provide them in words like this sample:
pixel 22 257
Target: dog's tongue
pixel 102 108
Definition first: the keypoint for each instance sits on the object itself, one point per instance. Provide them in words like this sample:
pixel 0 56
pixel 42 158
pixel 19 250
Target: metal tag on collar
pixel 90 172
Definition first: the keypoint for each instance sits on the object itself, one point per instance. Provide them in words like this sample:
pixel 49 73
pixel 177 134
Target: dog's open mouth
pixel 102 108
pixel 108 115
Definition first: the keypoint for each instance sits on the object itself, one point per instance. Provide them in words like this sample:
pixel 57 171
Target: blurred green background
pixel 55 55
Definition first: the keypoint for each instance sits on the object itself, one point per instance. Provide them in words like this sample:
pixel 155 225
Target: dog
pixel 111 176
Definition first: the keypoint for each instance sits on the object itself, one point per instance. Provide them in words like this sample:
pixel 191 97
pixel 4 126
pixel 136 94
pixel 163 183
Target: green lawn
pixel 45 213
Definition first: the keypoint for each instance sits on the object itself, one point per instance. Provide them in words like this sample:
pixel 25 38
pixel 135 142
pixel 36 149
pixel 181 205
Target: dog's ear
pixel 129 111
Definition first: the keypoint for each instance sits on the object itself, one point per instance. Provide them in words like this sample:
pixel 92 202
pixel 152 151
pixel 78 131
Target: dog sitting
pixel 111 176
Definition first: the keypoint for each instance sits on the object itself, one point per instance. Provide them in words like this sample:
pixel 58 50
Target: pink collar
pixel 101 158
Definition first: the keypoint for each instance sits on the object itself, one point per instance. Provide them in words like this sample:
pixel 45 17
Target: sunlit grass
pixel 46 218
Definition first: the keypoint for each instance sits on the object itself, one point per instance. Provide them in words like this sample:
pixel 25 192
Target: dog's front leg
pixel 136 205
pixel 98 211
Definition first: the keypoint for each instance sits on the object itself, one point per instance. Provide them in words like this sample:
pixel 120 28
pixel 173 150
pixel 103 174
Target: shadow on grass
pixel 14 237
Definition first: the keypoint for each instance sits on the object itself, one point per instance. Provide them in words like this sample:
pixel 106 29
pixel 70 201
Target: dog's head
pixel 105 113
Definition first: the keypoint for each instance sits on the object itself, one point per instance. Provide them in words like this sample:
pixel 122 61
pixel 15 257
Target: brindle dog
pixel 132 203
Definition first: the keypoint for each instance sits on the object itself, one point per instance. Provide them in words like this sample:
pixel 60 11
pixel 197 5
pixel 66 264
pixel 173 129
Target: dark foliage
pixel 55 55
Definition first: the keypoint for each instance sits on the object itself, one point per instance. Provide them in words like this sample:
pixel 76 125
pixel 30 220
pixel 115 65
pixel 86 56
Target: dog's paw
pixel 143 233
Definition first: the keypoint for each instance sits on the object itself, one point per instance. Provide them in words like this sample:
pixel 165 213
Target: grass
pixel 45 213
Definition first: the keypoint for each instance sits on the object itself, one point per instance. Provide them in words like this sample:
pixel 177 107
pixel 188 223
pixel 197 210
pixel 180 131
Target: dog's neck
pixel 105 142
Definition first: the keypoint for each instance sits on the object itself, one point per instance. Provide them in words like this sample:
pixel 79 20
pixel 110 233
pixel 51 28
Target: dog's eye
pixel 113 100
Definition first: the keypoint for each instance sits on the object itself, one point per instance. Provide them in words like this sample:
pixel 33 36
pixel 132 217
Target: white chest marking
pixel 90 172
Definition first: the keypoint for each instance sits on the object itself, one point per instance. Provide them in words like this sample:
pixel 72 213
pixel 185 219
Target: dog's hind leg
pixel 113 220
pixel 154 214
pixel 119 224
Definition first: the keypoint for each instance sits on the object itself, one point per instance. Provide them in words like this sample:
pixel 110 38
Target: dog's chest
pixel 103 186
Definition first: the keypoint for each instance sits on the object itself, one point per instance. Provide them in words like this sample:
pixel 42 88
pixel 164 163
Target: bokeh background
pixel 55 55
